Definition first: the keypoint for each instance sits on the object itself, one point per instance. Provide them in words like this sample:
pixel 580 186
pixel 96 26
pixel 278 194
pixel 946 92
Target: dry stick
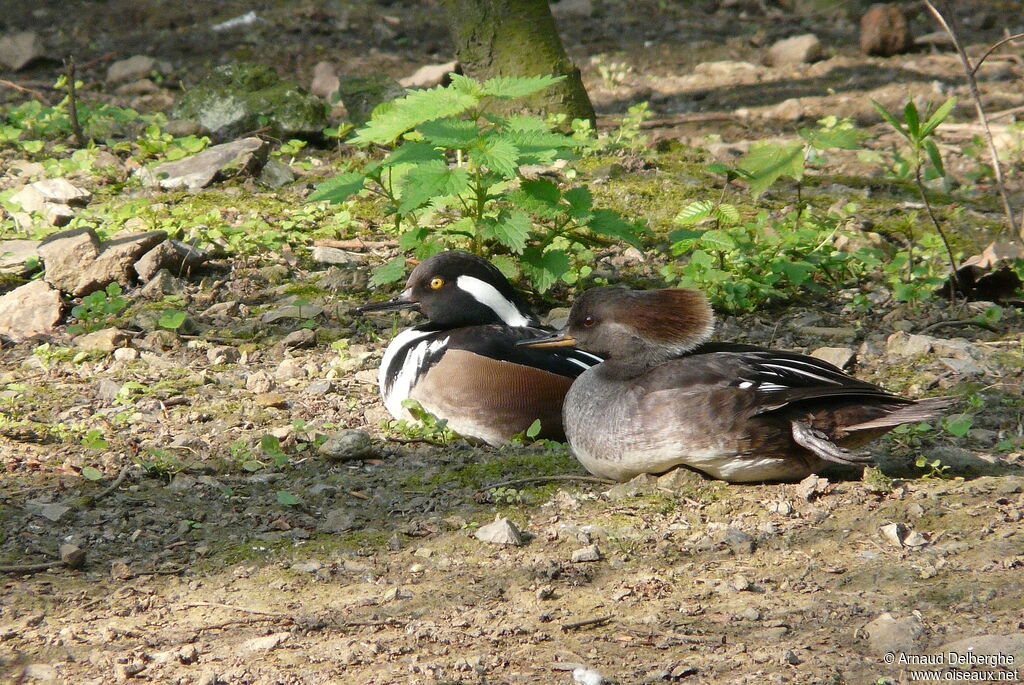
pixel 1004 41
pixel 31 568
pixel 22 89
pixel 566 627
pixel 73 104
pixel 942 234
pixel 973 85
pixel 113 486
pixel 218 605
pixel 550 479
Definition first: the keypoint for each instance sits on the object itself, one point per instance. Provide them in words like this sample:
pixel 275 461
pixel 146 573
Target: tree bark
pixel 517 38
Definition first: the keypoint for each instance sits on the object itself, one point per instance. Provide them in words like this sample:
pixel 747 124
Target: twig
pixel 1004 41
pixel 356 244
pixel 550 479
pixel 973 85
pixel 113 486
pixel 218 605
pixel 956 322
pixel 22 89
pixel 243 621
pixel 31 568
pixel 1007 112
pixel 566 627
pixel 76 126
pixel 942 234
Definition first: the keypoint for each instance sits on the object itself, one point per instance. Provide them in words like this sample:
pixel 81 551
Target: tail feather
pixel 921 410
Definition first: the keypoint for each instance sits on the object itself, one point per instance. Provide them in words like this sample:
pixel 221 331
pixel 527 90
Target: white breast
pixel 397 391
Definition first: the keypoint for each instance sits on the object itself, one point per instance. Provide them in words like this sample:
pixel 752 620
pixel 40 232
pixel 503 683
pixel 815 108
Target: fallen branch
pixel 972 83
pixel 551 479
pixel 32 568
pixel 28 91
pixel 356 244
pixel 566 627
pixel 218 605
pixel 113 486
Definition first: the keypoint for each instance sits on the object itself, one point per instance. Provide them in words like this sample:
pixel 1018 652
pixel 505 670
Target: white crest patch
pixel 487 295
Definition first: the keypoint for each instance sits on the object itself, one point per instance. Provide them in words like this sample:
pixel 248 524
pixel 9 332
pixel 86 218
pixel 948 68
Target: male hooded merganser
pixel 665 397
pixel 463 364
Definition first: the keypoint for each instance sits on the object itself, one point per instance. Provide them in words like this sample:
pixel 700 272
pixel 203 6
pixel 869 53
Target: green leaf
pixel 958 425
pixel 796 272
pixel 727 214
pixel 913 123
pixel 580 200
pixel 498 155
pixel 694 213
pixel 938 117
pixel 467 85
pixel 393 271
pixel 507 265
pixel 271 446
pixel 512 87
pixel 767 162
pixel 338 189
pixel 455 134
pixel 429 180
pixel 415 152
pixel 287 499
pixel 534 430
pixel 889 118
pixel 834 138
pixel 609 223
pixel 717 240
pixel 412 110
pixel 544 269
pixel 511 229
pixel 934 156
pixel 543 190
pixel 171 319
pixel 92 473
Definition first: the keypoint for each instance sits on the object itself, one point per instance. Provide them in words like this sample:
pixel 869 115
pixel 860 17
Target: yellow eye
pixel 436 283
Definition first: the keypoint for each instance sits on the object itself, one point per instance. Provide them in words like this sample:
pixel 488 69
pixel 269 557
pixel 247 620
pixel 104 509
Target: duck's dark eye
pixel 436 283
pixel 589 321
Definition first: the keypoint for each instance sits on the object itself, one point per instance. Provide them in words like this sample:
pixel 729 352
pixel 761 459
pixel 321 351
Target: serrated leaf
pixel 526 124
pixel 694 213
pixel 934 156
pixel 542 190
pixel 287 499
pixel 92 473
pixel 393 271
pixel 507 265
pixel 497 155
pixel 727 214
pixel 338 189
pixel 609 223
pixel 716 239
pixel 428 180
pixel 796 272
pixel 412 110
pixel 580 200
pixel 938 117
pixel 465 84
pixel 512 87
pixel 684 234
pixel 544 269
pixel 767 162
pixel 412 153
pixel 454 134
pixel 511 229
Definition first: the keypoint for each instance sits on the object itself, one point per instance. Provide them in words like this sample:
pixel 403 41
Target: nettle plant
pixel 454 179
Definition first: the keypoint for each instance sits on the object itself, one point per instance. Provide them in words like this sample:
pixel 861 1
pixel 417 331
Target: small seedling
pixel 935 468
pixel 92 473
pixel 93 439
pixel 98 309
pixel 171 319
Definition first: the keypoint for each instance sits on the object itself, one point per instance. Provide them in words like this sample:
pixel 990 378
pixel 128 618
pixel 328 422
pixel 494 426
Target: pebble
pixel 585 554
pixel 500 531
pixel 795 51
pixel 840 357
pixel 259 382
pixel 319 387
pixel 223 354
pixel 739 583
pixel 271 399
pixel 890 634
pixel 349 445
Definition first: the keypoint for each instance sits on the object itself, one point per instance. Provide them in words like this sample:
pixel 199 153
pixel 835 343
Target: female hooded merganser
pixel 665 397
pixel 463 364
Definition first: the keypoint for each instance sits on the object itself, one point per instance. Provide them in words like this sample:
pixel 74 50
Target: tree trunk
pixel 517 38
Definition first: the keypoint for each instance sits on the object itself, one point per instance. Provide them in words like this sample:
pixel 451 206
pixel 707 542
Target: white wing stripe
pixel 801 372
pixel 487 295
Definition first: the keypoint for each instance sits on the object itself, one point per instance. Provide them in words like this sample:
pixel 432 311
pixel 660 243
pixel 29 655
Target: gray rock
pixel 33 197
pixel 51 511
pixel 989 645
pixel 221 311
pixel 333 255
pixel 812 486
pixel 293 311
pixel 240 97
pixel 500 531
pixel 135 68
pixel 30 311
pixel 177 257
pixel 585 554
pixel 361 94
pixel 739 583
pixel 838 356
pixel 223 354
pixel 14 254
pixel 901 344
pixel 142 86
pixel 737 540
pixel 259 382
pixel 884 31
pixel 680 479
pixel 337 521
pixel 18 50
pixel 72 555
pixel 795 51
pixel 303 337
pixel 77 264
pixel 890 634
pixel 265 644
pixel 347 279
pixel 349 445
pixel 430 75
pixel 126 354
pixel 325 80
pixel 644 484
pixel 162 285
pixel 247 155
pixel 319 387
pixel 105 340
pixel 276 174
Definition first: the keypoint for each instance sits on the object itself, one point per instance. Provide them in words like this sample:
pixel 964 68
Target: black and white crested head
pixel 459 289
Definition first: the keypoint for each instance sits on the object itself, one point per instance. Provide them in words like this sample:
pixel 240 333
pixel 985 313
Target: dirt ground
pixel 198 570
